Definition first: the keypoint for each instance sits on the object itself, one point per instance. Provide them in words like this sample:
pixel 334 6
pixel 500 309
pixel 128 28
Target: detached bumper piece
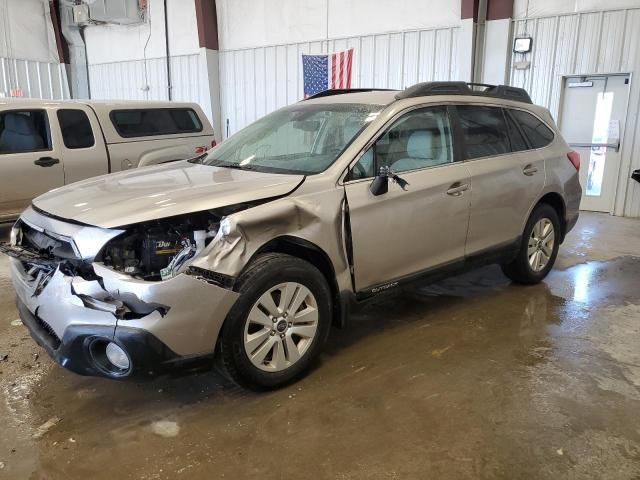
pixel 82 350
pixel 25 255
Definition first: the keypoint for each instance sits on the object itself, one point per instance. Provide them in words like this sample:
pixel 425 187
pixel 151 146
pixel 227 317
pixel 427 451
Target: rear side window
pixel 537 132
pixel 484 130
pixel 518 143
pixel 24 131
pixel 155 121
pixel 76 128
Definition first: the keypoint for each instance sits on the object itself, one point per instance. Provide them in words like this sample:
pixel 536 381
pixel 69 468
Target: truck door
pixel 30 159
pixel 81 142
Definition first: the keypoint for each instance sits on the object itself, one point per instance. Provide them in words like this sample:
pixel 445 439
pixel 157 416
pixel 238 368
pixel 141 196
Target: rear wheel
pixel 538 249
pixel 278 325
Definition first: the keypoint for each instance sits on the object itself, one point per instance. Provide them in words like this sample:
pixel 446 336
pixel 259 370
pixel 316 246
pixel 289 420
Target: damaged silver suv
pixel 245 256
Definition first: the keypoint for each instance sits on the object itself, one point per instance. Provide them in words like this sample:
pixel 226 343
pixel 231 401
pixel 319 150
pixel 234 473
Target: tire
pixel 249 330
pixel 521 269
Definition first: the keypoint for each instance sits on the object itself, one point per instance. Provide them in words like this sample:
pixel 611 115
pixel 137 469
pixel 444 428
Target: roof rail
pixel 463 88
pixel 342 91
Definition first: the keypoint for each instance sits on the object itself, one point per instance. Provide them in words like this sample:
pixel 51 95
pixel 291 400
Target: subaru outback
pixel 245 256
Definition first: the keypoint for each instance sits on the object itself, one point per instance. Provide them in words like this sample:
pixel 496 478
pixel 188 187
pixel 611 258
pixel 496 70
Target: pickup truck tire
pixel 279 323
pixel 538 248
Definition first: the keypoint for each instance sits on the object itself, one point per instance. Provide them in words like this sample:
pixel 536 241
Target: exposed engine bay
pixel 151 251
pixel 159 249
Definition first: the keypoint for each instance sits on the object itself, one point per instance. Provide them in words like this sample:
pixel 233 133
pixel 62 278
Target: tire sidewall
pixel 540 212
pixel 279 270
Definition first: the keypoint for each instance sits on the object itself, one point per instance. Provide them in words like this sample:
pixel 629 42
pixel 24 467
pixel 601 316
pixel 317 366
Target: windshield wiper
pixel 236 166
pixel 198 159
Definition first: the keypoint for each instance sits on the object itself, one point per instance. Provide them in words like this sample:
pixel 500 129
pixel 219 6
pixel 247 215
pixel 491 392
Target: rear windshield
pixel 155 121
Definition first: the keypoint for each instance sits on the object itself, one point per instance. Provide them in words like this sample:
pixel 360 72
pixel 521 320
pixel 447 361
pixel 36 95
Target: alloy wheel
pixel 541 242
pixel 281 326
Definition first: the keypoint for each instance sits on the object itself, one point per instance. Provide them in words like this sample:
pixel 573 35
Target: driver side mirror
pixel 380 184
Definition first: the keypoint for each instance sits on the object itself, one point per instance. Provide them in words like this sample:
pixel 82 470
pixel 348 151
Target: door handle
pixel 529 170
pixel 46 161
pixel 457 189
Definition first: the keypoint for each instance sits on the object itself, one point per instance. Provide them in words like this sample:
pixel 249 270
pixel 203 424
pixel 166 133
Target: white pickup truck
pixel 47 144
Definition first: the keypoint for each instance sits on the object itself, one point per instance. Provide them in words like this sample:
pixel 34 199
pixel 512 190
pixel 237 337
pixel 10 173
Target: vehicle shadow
pixel 418 303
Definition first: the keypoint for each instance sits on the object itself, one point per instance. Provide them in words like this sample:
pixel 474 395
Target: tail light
pixel 574 158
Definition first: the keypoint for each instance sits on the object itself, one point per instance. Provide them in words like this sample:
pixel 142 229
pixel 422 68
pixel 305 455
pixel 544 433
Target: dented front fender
pixel 315 218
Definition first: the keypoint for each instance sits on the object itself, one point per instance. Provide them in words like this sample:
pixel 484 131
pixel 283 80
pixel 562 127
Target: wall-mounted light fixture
pixel 522 44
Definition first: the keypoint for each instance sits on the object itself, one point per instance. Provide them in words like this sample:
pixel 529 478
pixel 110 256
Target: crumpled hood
pixel 150 193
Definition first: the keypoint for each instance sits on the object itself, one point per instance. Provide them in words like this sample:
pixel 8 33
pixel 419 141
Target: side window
pixel 518 143
pixel 537 132
pixel 485 133
pixel 76 128
pixel 24 131
pixel 155 121
pixel 363 168
pixel 418 139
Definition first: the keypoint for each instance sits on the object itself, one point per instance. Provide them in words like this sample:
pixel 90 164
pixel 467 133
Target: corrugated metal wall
pixel 256 81
pixel 129 80
pixel 30 78
pixel 587 43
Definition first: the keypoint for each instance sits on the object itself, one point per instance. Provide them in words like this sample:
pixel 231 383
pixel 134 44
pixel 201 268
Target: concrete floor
pixel 469 378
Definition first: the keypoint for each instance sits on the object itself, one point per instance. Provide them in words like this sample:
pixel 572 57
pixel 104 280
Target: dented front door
pixel 421 222
pixel 401 233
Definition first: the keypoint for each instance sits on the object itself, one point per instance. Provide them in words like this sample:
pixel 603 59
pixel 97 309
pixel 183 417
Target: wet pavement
pixel 470 378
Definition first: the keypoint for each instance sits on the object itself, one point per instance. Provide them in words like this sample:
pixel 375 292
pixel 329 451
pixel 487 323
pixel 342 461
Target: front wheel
pixel 279 323
pixel 538 249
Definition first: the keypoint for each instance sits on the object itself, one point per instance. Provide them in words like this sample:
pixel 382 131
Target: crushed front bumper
pixel 149 355
pixel 168 325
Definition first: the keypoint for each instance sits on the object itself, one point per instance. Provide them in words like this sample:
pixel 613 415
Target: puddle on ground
pixel 472 376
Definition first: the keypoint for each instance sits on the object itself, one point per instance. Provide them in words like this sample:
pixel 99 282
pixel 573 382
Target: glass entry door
pixel 592 121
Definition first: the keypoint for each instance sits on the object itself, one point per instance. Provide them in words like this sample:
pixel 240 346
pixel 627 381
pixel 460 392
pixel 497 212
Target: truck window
pixel 155 121
pixel 24 131
pixel 76 128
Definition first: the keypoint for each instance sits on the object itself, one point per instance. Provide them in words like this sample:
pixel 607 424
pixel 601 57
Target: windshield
pixel 301 139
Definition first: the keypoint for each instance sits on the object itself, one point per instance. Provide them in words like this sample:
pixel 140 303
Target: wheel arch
pixel 555 200
pixel 312 253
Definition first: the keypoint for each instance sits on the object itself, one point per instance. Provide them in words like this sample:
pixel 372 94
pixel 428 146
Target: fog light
pixel 117 356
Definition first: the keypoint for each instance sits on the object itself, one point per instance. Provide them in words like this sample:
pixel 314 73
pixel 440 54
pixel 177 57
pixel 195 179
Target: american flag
pixel 324 72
